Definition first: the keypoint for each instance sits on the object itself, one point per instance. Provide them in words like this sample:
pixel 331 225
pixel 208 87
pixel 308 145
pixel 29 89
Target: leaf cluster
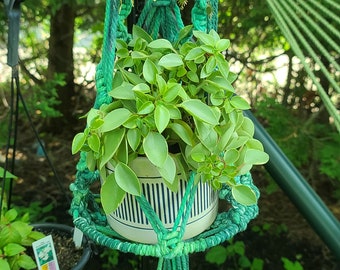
pixel 15 235
pixel 168 95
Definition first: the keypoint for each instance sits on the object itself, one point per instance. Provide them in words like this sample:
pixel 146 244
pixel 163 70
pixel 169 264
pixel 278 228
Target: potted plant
pixel 16 235
pixel 69 256
pixel 173 109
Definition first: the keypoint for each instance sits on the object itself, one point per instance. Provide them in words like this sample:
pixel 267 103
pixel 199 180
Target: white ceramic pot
pixel 130 221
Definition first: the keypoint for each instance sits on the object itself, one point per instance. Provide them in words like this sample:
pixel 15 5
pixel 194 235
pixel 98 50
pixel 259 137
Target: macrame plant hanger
pixel 158 17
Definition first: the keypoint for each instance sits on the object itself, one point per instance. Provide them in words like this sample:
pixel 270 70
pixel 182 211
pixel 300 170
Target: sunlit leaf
pixel 26 262
pixel 115 119
pixel 160 44
pixel 134 138
pixel 230 156
pixel 222 44
pixel 127 179
pixel 77 144
pixel 256 157
pixel 194 54
pixel 183 130
pixel 111 142
pixel 204 38
pixel 244 195
pixel 4 264
pixel 8 174
pixel 200 110
pixel 223 66
pixel 123 91
pixel 239 103
pixel 149 71
pixel 155 148
pixel 12 249
pixel 94 142
pixel 109 202
pixel 138 31
pixel 170 61
pixel 162 117
pixel 168 170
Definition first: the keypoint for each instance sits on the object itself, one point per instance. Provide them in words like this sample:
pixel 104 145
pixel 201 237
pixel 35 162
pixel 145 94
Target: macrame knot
pixel 162 3
pixel 170 244
pixel 199 15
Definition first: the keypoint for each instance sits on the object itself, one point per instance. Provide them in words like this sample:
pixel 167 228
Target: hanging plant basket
pixel 130 221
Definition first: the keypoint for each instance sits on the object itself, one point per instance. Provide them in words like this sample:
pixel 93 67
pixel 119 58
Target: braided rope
pixel 161 17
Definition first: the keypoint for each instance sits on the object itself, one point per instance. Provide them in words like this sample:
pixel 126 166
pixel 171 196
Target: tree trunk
pixel 60 59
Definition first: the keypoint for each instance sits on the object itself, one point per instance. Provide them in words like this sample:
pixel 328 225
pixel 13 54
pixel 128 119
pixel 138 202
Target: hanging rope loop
pixel 161 17
pixel 171 244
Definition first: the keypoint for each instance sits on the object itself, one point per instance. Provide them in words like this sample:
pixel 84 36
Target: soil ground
pixel 278 232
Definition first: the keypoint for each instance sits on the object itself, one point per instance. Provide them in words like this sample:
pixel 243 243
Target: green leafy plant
pixel 235 253
pixel 15 235
pixel 292 265
pixel 174 104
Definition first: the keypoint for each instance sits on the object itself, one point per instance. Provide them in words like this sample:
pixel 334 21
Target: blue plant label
pixel 45 255
pixel 77 237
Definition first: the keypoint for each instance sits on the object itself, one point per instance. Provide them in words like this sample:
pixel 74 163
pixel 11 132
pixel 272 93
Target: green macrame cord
pixel 160 17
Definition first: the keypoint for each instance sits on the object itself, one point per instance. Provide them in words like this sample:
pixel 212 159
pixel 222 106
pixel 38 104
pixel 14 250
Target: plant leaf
pixel 134 138
pixel 111 142
pixel 239 103
pixel 243 194
pixel 162 117
pixel 217 254
pixel 205 38
pixel 142 87
pixel 123 91
pixel 94 142
pixel 115 119
pixel 12 249
pixel 193 54
pixel 127 180
pixel 26 262
pixel 160 44
pixel 200 110
pixel 137 31
pixel 8 174
pixel 146 107
pixel 222 44
pixel 168 170
pixel 11 214
pixel 109 202
pixel 156 148
pixel 183 130
pixel 149 71
pixel 230 156
pixel 77 144
pixel 170 61
pixel 4 265
pixel 171 92
pixel 256 157
pixel 223 65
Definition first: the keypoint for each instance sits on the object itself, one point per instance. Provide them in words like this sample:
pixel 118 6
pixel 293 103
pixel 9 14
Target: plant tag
pixel 45 255
pixel 77 237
